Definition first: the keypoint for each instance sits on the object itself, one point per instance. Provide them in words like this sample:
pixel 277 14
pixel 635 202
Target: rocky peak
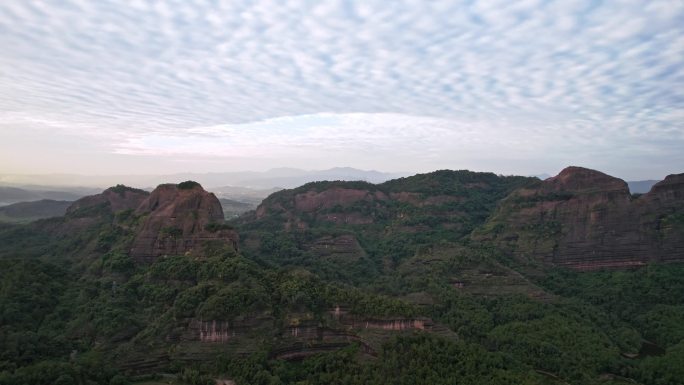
pixel 180 219
pixel 178 200
pixel 575 178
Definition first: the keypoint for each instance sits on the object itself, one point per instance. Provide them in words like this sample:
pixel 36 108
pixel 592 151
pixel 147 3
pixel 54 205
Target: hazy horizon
pixel 511 87
pixel 283 177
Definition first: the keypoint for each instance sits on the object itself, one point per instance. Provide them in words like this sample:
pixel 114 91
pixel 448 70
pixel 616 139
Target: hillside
pixel 417 279
pixel 367 228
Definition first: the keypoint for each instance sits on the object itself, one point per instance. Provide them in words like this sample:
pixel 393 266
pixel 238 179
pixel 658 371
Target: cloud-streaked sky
pixel 522 87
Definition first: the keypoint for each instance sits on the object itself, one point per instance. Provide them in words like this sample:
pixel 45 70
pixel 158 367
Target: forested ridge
pixel 320 303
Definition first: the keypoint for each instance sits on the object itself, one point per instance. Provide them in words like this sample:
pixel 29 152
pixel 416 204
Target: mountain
pixel 180 219
pixel 585 219
pixel 444 277
pixel 353 229
pixel 278 177
pixel 291 178
pixel 243 194
pixel 13 194
pixel 233 208
pixel 641 186
pixel 30 211
pixel 542 176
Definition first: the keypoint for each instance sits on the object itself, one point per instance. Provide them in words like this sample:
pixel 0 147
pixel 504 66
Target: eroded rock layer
pixel 585 220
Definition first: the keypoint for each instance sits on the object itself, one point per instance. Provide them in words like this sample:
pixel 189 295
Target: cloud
pixel 146 72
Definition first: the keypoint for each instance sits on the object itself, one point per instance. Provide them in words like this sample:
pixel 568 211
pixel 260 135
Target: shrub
pixel 188 185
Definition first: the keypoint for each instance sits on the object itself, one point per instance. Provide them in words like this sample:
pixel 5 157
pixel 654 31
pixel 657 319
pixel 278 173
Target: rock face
pixel 585 220
pixel 113 199
pixel 357 225
pixel 180 219
pixel 329 205
pixel 344 246
pixel 310 201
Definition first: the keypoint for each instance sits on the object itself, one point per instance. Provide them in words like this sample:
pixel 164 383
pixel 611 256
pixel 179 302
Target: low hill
pixel 11 194
pixel 31 211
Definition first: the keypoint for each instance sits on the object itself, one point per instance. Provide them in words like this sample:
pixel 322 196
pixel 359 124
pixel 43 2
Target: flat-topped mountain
pixel 178 220
pixel 585 219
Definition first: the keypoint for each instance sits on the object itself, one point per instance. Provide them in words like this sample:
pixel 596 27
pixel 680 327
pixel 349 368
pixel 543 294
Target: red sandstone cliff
pixel 180 220
pixel 585 219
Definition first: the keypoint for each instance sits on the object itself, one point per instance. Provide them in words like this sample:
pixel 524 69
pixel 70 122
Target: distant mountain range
pixel 30 211
pixel 246 187
pixel 641 186
pixel 10 194
pixel 277 177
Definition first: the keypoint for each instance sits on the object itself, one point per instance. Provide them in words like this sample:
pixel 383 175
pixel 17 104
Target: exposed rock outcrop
pixel 180 219
pixel 306 337
pixel 585 219
pixel 313 200
pixel 222 331
pixel 344 246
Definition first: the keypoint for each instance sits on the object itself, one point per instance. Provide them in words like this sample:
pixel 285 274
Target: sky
pixel 514 87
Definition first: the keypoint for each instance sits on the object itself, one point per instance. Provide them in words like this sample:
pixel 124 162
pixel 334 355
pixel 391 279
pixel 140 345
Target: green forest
pixel 75 308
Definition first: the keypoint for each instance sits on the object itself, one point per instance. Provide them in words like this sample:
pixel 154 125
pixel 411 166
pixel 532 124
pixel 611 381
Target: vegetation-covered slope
pixel 334 283
pixel 349 230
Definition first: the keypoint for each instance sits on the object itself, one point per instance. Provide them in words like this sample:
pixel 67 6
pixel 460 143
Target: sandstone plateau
pixel 585 220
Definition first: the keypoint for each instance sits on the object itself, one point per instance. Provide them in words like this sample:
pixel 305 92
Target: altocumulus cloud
pixel 481 84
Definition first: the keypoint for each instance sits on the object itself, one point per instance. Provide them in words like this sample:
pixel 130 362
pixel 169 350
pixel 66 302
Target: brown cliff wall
pixel 585 220
pixel 180 221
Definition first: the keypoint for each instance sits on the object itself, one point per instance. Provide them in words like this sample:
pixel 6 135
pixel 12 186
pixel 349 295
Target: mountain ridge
pixel 346 276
